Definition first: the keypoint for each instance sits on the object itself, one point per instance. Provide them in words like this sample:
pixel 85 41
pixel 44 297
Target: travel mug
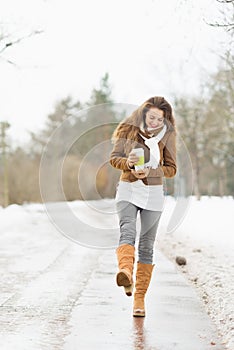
pixel 139 153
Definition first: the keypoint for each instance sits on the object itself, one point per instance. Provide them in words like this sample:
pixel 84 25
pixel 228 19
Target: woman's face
pixel 154 118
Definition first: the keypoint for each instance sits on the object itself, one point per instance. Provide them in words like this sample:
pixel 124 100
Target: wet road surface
pixel 57 295
pixel 102 318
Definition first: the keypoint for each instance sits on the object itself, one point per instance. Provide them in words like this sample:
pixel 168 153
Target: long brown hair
pixel 129 128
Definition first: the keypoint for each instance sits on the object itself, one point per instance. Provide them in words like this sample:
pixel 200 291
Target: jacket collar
pixel 147 133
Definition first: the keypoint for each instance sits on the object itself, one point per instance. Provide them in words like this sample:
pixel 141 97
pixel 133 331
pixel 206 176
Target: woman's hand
pixel 132 159
pixel 141 174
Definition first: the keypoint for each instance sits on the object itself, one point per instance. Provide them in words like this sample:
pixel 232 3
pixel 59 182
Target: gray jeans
pixel 149 223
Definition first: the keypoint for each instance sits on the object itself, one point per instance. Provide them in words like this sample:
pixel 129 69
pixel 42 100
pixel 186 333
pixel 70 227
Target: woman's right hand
pixel 132 159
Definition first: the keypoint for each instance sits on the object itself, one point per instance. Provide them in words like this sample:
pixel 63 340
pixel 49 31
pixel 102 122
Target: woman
pixel 150 128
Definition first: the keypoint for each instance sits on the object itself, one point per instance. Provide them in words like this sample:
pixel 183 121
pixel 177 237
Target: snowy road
pixel 42 276
pixel 58 295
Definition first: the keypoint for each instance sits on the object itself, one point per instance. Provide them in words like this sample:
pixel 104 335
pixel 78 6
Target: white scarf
pixel 152 143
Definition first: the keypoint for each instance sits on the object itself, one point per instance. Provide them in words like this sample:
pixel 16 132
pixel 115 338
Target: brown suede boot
pixel 126 258
pixel 143 277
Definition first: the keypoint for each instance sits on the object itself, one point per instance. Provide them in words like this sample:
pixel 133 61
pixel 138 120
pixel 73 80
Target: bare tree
pixel 227 14
pixel 7 41
pixel 4 157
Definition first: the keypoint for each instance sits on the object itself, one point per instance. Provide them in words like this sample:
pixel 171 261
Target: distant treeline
pixel 205 123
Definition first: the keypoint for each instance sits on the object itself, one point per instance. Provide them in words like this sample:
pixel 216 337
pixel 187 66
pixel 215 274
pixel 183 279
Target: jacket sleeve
pixel 118 158
pixel 168 167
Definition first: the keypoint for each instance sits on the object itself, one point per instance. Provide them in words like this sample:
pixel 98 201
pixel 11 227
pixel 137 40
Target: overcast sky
pixel 149 47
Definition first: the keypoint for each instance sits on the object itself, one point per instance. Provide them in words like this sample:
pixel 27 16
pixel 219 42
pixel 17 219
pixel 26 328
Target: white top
pixel 150 197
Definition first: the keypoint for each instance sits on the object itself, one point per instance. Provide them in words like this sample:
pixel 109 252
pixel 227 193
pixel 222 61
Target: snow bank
pixel 205 238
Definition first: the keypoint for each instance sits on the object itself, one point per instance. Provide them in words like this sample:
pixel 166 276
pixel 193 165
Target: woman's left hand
pixel 141 174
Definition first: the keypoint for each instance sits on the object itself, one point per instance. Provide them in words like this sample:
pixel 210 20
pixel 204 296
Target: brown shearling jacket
pixel 167 167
